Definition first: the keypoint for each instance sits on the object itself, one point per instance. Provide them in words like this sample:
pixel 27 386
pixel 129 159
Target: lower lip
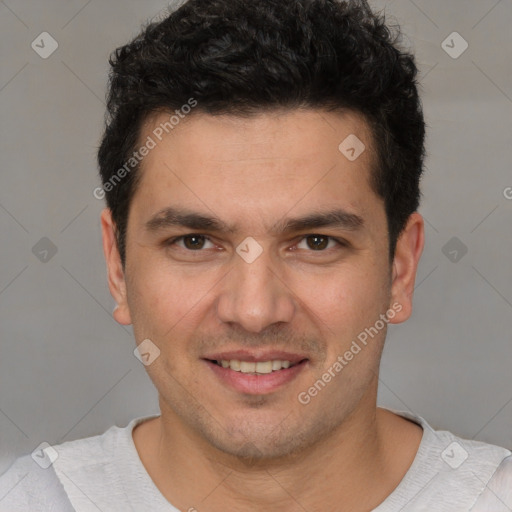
pixel 256 384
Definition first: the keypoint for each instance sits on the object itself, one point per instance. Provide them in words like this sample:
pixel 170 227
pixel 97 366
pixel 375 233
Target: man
pixel 261 166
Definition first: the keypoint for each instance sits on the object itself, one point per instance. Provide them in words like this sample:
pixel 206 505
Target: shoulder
pixel 497 495
pixel 452 473
pixel 27 486
pixel 43 480
pixel 467 465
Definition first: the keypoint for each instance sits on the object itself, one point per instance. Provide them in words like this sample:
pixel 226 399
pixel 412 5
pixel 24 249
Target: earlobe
pixel 122 315
pixel 408 251
pixel 115 272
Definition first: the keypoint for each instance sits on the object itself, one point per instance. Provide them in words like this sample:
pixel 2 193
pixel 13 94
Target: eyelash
pixel 172 241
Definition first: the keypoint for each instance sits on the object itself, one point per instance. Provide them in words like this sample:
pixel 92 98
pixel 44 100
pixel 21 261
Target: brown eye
pixel 193 242
pixel 317 242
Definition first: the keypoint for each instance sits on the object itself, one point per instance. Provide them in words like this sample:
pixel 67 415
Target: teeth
pixel 246 367
pixel 251 367
pixel 264 367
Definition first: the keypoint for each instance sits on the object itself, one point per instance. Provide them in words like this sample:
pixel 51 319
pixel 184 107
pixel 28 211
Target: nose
pixel 255 295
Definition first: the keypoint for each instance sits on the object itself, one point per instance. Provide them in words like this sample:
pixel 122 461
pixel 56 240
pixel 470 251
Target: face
pixel 255 241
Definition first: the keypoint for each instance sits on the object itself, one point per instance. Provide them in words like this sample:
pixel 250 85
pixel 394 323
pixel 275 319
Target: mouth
pixel 256 377
pixel 255 368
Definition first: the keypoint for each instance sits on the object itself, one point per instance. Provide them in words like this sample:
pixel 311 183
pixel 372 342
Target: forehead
pixel 282 134
pixel 266 164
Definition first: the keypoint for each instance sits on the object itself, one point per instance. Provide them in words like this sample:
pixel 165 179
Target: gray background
pixel 67 369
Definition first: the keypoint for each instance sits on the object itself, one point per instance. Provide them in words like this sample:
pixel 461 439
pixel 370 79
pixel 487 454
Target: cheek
pixel 162 309
pixel 344 299
pixel 160 301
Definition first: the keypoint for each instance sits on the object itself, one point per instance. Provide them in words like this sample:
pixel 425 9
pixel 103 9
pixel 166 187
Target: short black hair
pixel 243 57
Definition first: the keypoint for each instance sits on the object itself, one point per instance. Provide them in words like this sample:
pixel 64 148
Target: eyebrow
pixel 176 217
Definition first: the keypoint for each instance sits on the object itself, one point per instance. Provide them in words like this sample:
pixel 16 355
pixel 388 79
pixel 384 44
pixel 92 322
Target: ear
pixel 115 272
pixel 405 263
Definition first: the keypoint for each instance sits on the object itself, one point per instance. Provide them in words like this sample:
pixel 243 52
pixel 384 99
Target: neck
pixel 357 464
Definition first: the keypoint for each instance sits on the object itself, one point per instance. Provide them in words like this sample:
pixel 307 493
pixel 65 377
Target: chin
pixel 254 441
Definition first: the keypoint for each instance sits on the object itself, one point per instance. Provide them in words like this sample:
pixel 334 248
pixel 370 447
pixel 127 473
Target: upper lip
pixel 256 356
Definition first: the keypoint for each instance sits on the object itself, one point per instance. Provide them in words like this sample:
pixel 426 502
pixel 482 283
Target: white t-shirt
pixel 105 473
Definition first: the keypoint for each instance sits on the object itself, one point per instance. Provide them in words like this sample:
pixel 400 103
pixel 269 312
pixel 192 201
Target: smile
pixel 255 377
pixel 255 368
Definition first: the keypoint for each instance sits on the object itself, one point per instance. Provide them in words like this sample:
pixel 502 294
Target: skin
pixel 217 449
